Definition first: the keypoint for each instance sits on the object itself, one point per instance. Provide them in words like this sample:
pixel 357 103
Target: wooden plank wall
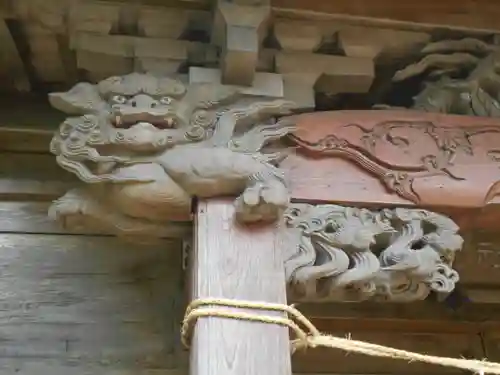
pixel 75 304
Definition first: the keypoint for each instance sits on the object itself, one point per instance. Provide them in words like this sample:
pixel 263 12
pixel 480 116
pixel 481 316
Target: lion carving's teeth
pixel 121 122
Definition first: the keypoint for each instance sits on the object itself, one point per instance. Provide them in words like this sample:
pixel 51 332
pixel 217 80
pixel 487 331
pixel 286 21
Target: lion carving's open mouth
pixel 158 121
pixel 129 111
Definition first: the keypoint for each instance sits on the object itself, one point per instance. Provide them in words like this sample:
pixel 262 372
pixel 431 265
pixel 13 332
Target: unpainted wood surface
pixel 88 305
pixel 31 217
pixel 464 14
pixel 492 344
pixel 237 263
pixel 28 111
pixel 12 69
pixel 30 176
pixel 24 140
pixel 451 345
pixel 417 316
pixel 479 262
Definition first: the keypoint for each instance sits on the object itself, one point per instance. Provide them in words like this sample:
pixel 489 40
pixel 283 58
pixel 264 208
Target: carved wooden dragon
pixel 443 65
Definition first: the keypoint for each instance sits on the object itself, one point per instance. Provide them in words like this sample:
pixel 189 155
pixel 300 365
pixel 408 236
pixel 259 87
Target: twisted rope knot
pixel 214 307
pixel 308 336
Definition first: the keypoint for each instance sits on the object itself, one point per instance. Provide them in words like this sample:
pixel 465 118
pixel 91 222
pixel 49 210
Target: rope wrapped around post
pixel 308 336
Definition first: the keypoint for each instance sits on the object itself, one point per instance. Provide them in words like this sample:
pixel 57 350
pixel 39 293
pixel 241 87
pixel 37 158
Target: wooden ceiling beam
pixel 460 14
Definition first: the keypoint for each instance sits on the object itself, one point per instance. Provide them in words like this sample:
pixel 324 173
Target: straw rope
pixel 308 336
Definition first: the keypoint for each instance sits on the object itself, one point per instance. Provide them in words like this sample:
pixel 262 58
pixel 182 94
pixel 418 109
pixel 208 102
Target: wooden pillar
pixel 231 261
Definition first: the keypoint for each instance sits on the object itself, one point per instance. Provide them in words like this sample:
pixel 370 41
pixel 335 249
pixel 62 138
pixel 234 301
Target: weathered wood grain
pixel 480 262
pixel 188 4
pixel 461 14
pixel 31 217
pixel 491 340
pixel 12 70
pixel 239 29
pixel 391 314
pixel 32 176
pixel 42 367
pixel 238 263
pixel 29 111
pixel 25 140
pixel 76 304
pixel 452 345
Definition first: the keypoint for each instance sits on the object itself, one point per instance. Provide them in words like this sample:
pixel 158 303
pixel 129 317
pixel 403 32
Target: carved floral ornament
pixel 144 146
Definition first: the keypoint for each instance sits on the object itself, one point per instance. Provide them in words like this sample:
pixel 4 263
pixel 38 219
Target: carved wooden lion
pixel 146 145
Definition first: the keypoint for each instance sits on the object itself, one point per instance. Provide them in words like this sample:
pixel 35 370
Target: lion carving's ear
pixel 206 96
pixel 83 98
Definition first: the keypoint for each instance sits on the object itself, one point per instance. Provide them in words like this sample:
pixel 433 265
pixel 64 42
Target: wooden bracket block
pixel 123 53
pixel 301 94
pixel 298 35
pixel 380 44
pixel 239 30
pixel 163 22
pixel 327 73
pixel 93 16
pixel 263 84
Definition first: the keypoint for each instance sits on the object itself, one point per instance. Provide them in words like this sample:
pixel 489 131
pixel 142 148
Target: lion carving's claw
pixel 69 210
pixel 155 143
pixel 264 201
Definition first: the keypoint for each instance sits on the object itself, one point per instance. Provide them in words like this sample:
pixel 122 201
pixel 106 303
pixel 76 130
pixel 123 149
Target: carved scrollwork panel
pixel 423 158
pixel 342 253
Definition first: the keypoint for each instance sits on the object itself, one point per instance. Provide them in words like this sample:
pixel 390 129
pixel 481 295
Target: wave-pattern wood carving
pixel 339 253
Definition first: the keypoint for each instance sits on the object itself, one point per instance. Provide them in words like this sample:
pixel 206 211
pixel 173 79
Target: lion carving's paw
pixel 69 214
pixel 75 210
pixel 264 201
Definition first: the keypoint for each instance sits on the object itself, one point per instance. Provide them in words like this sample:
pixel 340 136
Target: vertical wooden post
pixel 236 262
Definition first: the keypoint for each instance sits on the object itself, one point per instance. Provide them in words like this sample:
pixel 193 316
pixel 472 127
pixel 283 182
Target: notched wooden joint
pixel 239 30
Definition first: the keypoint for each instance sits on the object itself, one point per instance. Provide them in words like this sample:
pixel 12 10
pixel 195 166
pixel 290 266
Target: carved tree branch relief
pixel 339 253
pixel 145 146
pixel 400 151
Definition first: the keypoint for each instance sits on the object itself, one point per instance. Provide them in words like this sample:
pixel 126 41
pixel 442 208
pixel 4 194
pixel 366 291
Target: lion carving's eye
pixel 166 100
pixel 119 99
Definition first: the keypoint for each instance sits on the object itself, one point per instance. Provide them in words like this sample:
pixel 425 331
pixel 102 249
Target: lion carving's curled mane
pixel 146 145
